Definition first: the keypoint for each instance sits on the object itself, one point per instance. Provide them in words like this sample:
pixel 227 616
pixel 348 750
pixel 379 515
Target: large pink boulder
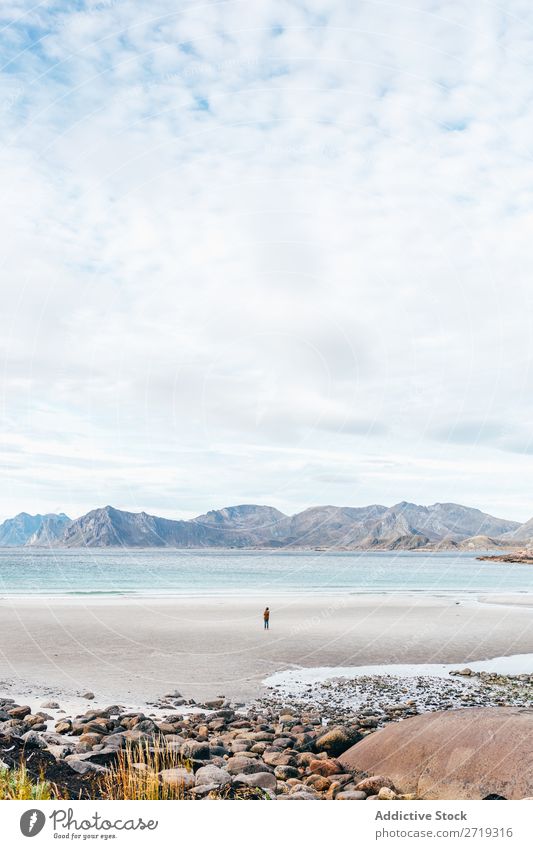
pixel 457 754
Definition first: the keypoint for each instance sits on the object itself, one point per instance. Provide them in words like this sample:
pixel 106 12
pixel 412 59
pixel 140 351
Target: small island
pixel 511 557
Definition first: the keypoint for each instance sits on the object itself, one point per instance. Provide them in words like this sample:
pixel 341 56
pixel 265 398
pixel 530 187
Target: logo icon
pixel 32 822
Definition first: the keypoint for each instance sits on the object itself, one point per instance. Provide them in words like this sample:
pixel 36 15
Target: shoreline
pixel 137 648
pixel 234 711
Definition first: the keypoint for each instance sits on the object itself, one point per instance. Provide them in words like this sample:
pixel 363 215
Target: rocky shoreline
pixel 525 557
pixel 282 746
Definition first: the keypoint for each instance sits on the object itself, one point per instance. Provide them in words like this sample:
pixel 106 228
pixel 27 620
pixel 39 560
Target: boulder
pixel 374 783
pixel 196 751
pixel 84 767
pixel 212 775
pixel 469 753
pixel 63 726
pixel 325 767
pixel 264 780
pixel 33 738
pixel 337 740
pixel 19 712
pixel 351 795
pixel 238 765
pixel 104 757
pixel 177 777
pixel 274 758
pixel 284 772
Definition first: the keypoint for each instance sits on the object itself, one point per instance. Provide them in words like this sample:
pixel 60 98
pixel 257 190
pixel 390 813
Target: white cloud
pixel 302 228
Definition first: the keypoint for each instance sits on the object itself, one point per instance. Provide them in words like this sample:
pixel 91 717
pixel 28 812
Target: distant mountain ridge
pixel 404 526
pixel 22 528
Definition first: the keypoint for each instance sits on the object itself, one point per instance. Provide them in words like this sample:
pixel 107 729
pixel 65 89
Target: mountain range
pixel 404 526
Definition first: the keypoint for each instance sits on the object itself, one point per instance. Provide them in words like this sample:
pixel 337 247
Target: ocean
pixel 37 572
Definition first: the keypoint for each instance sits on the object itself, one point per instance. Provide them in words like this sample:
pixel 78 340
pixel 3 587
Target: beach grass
pixel 18 784
pixel 135 775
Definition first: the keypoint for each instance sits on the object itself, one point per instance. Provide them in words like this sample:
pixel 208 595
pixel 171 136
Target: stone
pixel 320 783
pixel 88 695
pixel 103 756
pixel 279 758
pixel 386 793
pixel 352 795
pixel 196 751
pixel 59 752
pixel 324 767
pixel 166 727
pixel 212 775
pixel 247 766
pixel 467 753
pixel 177 777
pixel 285 772
pixel 33 738
pixel 50 705
pixel 91 738
pixel 214 704
pixel 63 726
pixel 83 767
pixel 264 780
pixel 337 740
pixel 374 783
pixel 19 712
pixel 203 790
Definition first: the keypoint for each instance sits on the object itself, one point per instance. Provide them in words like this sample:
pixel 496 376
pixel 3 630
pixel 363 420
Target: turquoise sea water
pixel 199 573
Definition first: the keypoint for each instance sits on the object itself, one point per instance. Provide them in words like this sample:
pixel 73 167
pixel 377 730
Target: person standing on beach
pixel 266 617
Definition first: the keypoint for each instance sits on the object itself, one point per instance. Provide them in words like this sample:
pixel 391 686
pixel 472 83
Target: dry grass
pixel 135 774
pixel 18 784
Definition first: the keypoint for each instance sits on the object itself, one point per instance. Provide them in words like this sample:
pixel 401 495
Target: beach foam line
pixel 516 664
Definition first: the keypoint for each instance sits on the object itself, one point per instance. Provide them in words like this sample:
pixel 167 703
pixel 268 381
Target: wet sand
pixel 138 649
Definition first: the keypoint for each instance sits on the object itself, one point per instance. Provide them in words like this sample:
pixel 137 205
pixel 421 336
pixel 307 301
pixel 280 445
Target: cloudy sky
pixel 275 251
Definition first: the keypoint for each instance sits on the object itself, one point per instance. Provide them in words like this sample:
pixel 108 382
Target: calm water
pixel 25 572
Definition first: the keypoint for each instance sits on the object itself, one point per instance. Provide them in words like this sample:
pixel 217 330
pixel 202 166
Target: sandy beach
pixel 139 649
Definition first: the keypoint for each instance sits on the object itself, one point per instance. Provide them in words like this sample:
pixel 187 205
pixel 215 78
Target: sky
pixel 265 252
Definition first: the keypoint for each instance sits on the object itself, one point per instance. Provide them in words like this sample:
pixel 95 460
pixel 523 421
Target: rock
pixel 212 775
pixel 245 765
pixel 325 767
pixel 203 790
pixel 84 767
pixel 177 777
pixel 33 738
pixel 63 726
pixel 19 712
pixel 374 783
pixel 301 792
pixel 386 794
pixel 91 738
pixel 279 758
pixel 456 754
pixel 50 705
pixel 52 738
pixel 88 695
pixel 103 756
pixel 337 740
pixel 166 727
pixel 265 780
pixel 284 772
pixel 351 795
pixel 196 751
pixel 320 783
pixel 59 752
pixel 214 704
